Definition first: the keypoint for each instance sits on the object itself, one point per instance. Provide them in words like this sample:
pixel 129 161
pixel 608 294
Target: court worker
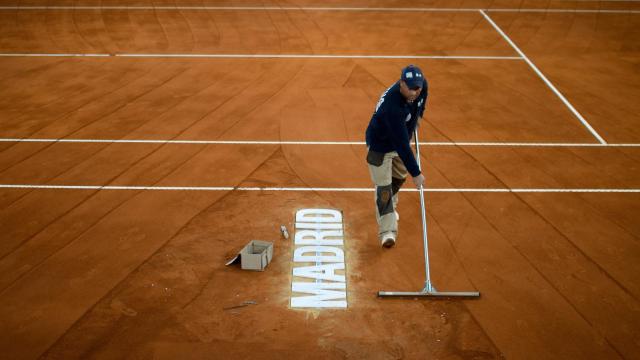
pixel 389 155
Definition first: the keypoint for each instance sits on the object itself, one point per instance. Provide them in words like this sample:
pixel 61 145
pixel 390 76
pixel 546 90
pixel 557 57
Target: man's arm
pixel 400 140
pixel 418 181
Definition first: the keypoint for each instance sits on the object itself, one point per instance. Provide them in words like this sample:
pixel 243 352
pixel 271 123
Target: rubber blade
pixel 452 294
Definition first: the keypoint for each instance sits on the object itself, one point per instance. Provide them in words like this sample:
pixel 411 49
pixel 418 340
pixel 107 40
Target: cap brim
pixel 414 83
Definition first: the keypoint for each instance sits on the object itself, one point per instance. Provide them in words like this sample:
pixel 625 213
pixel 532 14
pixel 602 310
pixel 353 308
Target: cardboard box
pixel 256 255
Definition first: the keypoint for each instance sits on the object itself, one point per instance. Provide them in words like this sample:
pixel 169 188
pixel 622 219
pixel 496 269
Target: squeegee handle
pixel 427 283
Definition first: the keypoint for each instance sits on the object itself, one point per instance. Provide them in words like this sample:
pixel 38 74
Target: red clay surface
pixel 140 274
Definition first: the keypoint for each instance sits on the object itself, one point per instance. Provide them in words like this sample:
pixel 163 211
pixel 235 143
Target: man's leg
pixel 380 169
pixel 399 176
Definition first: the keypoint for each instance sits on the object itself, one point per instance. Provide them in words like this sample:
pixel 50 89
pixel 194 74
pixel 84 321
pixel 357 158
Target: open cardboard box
pixel 256 255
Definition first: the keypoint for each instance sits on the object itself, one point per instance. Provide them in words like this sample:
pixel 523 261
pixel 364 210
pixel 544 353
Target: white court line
pixel 240 8
pixel 54 55
pixel 304 189
pixel 544 78
pixel 578 11
pixel 602 0
pixel 191 142
pixel 272 56
pixel 277 142
pixel 291 8
pixel 312 56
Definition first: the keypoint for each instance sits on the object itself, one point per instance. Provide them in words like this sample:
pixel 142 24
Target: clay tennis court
pixel 143 144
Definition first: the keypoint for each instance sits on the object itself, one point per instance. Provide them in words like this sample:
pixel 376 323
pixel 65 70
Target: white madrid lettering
pixel 331 295
pixel 315 237
pixel 320 275
pixel 321 272
pixel 299 255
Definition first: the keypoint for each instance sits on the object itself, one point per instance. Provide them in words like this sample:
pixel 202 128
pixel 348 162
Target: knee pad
pixel 396 184
pixel 384 199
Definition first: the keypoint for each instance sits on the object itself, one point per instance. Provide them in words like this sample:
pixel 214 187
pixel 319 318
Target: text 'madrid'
pixel 319 275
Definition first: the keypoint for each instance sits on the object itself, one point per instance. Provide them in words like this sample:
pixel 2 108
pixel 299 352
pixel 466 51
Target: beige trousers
pixel 387 178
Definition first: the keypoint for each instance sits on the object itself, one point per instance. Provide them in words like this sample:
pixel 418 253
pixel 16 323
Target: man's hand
pixel 418 181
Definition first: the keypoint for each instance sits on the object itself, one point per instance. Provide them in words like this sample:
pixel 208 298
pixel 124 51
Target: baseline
pixel 292 8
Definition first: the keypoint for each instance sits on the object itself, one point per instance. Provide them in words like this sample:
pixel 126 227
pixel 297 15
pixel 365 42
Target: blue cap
pixel 412 75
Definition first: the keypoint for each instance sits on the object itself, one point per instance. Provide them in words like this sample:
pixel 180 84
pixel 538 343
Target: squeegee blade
pixel 468 294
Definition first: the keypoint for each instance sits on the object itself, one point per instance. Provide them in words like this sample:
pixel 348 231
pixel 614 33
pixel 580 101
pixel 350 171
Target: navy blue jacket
pixel 393 122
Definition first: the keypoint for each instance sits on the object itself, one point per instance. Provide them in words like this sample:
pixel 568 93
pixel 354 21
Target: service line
pixel 314 56
pixel 308 189
pixel 279 142
pixel 544 78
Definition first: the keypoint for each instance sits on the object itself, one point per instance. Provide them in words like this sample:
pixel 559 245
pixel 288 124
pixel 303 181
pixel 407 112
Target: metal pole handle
pixel 427 283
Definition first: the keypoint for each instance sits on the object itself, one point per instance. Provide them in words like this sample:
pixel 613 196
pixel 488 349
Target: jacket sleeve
pixel 400 139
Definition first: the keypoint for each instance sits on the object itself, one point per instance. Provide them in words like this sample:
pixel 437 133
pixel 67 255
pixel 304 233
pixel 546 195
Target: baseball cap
pixel 412 75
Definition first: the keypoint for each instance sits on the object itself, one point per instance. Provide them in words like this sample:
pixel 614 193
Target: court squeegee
pixel 429 290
